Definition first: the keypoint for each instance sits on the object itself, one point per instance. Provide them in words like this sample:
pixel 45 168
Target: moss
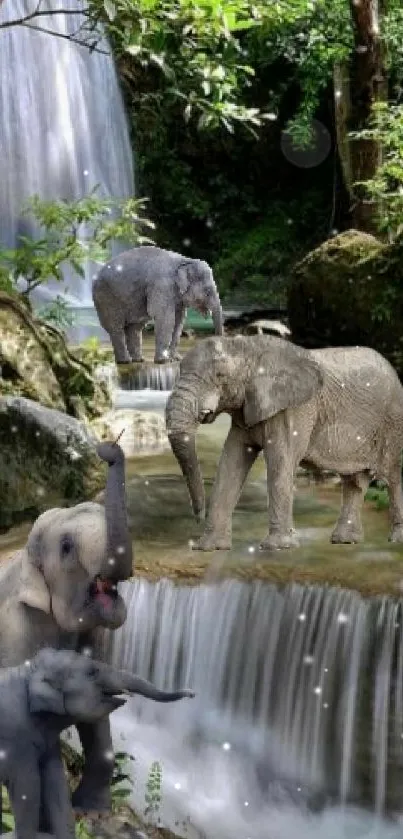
pixel 347 292
pixel 36 363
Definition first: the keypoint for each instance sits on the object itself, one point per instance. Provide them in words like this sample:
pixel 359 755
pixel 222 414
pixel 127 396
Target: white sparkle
pixel 358 437
pixel 368 384
pixel 80 620
pixel 146 483
pixel 249 449
pixel 190 543
pixel 209 222
pixel 187 243
pixel 298 789
pixel 120 549
pixel 165 353
pixel 3 754
pixel 14 429
pixel 186 438
pixel 119 267
pixel 295 433
pixel 111 561
pixel 86 172
pixel 342 618
pixel 24 797
pixel 317 690
pixel 342 384
pixel 338 94
pixel 269 440
pixel 40 491
pixel 87 651
pixel 326 669
pixel 334 232
pixel 27 663
pixel 308 659
pixel 177 786
pixel 325 704
pixel 302 617
pixel 246 803
pixel 251 549
pixel 109 755
pixel 349 521
pixel 37 433
pixel 260 371
pixel 226 747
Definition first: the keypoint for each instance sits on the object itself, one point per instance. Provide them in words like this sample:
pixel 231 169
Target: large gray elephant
pixel 60 588
pixel 148 283
pixel 38 701
pixel 337 409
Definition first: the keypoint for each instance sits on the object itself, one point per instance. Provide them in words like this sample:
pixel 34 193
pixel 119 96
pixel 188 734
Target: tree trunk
pixel 357 89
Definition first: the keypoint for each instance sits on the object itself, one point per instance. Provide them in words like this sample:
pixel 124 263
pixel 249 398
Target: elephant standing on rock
pixel 148 283
pixel 60 588
pixel 39 700
pixel 338 409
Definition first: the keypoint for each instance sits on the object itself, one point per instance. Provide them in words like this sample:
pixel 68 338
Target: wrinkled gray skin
pixel 149 283
pixel 60 588
pixel 40 699
pixel 338 409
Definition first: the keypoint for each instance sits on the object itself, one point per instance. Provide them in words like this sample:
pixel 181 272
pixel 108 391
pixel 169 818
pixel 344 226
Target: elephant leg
pixel 280 497
pixel 56 797
pixel 93 793
pixel 134 341
pixel 180 314
pixel 394 481
pixel 164 324
pixel 118 342
pixel 24 791
pixel 237 458
pixel 349 528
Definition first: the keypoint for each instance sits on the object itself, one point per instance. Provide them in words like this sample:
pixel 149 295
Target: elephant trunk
pixel 119 556
pixel 121 681
pixel 218 320
pixel 182 425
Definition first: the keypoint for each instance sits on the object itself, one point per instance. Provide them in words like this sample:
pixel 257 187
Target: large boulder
pixel 348 292
pixel 46 457
pixel 35 362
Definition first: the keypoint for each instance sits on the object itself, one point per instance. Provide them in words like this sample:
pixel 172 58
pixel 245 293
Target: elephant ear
pixel 283 378
pixel 182 279
pixel 33 590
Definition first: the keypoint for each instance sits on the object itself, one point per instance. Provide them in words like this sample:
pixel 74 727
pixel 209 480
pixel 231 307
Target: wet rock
pixel 348 292
pixel 36 363
pixel 142 430
pixel 46 457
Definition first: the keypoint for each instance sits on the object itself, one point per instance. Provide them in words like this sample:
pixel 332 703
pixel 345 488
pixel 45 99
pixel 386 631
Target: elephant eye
pixel 66 546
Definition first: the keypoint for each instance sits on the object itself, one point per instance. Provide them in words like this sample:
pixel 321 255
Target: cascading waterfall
pixel 63 128
pixel 299 690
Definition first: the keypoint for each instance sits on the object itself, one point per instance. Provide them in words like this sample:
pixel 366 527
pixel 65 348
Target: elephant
pixel 60 589
pixel 39 700
pixel 337 409
pixel 147 283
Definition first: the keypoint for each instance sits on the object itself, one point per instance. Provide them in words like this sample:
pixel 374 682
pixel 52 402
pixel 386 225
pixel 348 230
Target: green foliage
pixel 72 233
pixel 153 790
pixel 255 265
pixel 57 313
pixel 379 496
pixel 386 188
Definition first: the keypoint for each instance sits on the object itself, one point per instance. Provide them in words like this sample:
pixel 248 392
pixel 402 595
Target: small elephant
pixel 61 588
pixel 39 700
pixel 148 283
pixel 336 409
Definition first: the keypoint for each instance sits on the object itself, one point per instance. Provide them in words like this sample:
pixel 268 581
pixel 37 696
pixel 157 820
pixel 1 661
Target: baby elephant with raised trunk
pixel 338 409
pixel 38 700
pixel 150 283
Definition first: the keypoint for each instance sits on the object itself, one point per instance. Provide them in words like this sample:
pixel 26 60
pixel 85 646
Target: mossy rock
pixel 36 363
pixel 348 291
pixel 46 458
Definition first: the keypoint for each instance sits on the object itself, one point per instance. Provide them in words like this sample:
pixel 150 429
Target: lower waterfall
pixel 298 715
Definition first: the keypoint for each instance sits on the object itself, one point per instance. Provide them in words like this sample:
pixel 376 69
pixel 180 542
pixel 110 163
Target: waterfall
pixel 63 128
pixel 299 692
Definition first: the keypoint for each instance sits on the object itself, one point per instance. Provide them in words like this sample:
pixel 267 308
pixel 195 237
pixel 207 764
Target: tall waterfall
pixel 299 691
pixel 63 128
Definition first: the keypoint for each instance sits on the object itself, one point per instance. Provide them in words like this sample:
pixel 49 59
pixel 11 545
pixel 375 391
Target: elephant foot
pixel 396 534
pixel 279 541
pixel 347 535
pixel 163 360
pixel 92 803
pixel 138 360
pixel 123 361
pixel 209 542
